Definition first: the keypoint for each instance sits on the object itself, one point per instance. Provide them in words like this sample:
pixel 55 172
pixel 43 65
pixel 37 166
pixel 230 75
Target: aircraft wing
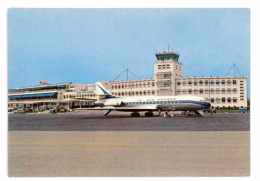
pixel 96 108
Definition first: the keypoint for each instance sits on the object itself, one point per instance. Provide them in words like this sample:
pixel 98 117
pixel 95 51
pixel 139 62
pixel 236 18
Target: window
pixel 201 91
pixel 223 82
pixel 190 91
pixel 201 82
pixel 206 82
pixel 229 82
pixel 212 100
pixel 212 82
pixel 195 83
pixel 229 90
pixel 189 82
pixel 223 99
pixel 234 82
pixel 229 100
pixel 178 83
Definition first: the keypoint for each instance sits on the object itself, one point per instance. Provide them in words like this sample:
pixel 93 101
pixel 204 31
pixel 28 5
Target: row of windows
pixel 166 75
pixel 201 91
pixel 86 95
pixel 223 100
pixel 207 82
pixel 164 84
pixel 69 96
pixel 134 93
pixel 79 96
pixel 164 66
pixel 133 85
pixel 212 100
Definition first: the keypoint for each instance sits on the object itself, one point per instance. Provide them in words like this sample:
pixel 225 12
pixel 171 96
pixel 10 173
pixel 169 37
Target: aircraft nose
pixel 208 105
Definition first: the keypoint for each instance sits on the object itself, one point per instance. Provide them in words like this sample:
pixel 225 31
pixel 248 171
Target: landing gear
pixel 135 114
pixel 159 112
pixel 166 114
pixel 107 112
pixel 148 114
pixel 199 113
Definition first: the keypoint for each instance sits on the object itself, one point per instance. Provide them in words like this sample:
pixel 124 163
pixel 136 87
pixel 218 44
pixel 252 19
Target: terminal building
pixel 46 96
pixel 168 79
pixel 222 92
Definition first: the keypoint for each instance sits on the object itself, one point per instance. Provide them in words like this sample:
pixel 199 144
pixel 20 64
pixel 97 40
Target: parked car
pixel 242 110
pixel 60 109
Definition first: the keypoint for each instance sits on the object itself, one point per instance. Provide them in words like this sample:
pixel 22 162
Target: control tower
pixel 167 69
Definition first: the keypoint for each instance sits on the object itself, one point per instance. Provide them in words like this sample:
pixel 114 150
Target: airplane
pixel 147 104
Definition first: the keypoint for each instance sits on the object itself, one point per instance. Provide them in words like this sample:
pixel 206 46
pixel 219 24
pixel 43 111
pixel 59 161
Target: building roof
pixel 167 55
pixel 213 77
pixel 32 95
pixel 41 87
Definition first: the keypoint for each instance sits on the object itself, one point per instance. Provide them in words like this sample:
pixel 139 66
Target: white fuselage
pixel 157 102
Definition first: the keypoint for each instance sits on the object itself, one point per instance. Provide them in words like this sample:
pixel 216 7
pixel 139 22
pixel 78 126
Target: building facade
pixel 169 80
pixel 48 96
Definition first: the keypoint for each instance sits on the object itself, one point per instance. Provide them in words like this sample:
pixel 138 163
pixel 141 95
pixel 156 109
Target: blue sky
pixel 89 45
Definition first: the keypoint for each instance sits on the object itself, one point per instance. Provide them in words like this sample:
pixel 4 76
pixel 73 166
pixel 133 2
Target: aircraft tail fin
pixel 101 90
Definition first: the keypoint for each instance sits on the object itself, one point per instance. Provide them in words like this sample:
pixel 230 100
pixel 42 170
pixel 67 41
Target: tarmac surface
pixel 84 144
pixel 95 121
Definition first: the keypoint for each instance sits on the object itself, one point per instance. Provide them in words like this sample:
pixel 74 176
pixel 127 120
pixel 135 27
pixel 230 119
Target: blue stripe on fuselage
pixel 204 104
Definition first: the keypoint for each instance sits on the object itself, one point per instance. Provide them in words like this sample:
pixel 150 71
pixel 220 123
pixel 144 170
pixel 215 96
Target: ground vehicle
pixel 242 110
pixel 60 109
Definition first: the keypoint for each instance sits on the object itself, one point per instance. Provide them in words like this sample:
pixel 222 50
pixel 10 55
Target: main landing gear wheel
pixel 135 114
pixel 148 114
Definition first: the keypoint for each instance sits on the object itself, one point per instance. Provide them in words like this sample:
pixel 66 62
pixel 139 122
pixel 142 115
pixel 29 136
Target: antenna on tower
pixel 233 70
pixel 127 71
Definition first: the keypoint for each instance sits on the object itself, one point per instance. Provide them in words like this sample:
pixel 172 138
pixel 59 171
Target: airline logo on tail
pixel 101 90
